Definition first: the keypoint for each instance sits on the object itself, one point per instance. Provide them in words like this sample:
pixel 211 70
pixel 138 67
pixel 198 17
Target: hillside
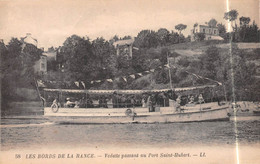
pixel 197 48
pixel 208 59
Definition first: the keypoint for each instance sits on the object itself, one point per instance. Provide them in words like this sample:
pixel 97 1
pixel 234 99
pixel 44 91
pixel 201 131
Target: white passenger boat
pixel 127 106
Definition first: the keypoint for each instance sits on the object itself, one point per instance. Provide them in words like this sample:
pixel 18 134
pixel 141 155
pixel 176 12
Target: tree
pixel 212 23
pixel 210 62
pixel 231 16
pixel 194 26
pixel 114 39
pixel 164 55
pixel 104 54
pixel 174 37
pixel 199 36
pixel 180 27
pixel 77 58
pixel 222 30
pixel 126 37
pixel 244 21
pixel 141 40
pixel 163 35
pixel 147 39
pixel 174 55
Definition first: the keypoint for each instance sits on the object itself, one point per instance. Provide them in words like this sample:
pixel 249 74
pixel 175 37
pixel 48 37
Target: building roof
pixel 208 26
pixel 216 38
pixel 30 40
pixel 123 42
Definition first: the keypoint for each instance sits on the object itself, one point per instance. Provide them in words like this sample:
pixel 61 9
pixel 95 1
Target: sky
pixel 52 21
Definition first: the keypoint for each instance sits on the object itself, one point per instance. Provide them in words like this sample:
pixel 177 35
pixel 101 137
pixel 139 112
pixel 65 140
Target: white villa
pixel 211 33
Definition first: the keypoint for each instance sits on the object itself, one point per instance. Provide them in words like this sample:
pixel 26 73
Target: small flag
pixel 110 80
pixel 91 82
pixel 167 65
pixel 83 84
pixel 40 83
pixel 140 74
pixel 197 76
pixel 124 79
pixel 152 70
pixel 98 81
pixel 219 83
pixel 76 83
pixel 132 76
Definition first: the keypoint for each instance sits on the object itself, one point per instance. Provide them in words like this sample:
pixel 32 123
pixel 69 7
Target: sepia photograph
pixel 130 81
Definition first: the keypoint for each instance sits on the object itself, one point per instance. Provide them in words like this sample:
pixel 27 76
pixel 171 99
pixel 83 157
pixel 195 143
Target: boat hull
pixel 142 115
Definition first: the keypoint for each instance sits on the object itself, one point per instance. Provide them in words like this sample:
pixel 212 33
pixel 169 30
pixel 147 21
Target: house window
pixel 203 30
pixel 214 31
pixel 196 30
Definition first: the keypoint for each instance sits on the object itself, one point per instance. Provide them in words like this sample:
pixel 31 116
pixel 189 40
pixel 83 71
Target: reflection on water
pixel 39 133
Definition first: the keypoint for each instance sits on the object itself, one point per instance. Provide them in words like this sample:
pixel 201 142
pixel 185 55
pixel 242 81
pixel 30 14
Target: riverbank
pixel 24 108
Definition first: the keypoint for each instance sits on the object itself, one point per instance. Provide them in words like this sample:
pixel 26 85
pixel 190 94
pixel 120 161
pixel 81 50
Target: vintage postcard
pixel 130 81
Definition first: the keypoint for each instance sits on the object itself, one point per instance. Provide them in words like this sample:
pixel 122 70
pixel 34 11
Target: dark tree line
pixel 245 32
pixel 17 62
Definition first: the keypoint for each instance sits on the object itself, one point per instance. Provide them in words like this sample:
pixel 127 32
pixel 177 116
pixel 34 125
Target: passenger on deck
pixel 151 103
pixel 105 102
pixel 133 101
pixel 90 103
pixel 191 100
pixel 123 101
pixel 100 102
pixel 201 100
pixel 76 104
pixel 82 102
pixel 143 102
pixel 69 104
pixel 178 103
pixel 115 100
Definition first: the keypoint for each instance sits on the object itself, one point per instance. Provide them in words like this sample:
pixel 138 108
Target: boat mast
pixel 169 71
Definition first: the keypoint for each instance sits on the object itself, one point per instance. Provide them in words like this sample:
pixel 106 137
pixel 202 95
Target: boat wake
pixel 26 125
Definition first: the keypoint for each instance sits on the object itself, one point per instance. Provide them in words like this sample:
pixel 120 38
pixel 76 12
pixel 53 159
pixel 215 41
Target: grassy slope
pixel 191 49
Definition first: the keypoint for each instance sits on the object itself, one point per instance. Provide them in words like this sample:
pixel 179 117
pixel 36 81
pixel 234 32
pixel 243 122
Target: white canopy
pixel 126 91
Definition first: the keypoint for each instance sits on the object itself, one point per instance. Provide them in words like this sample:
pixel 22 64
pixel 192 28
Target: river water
pixel 38 133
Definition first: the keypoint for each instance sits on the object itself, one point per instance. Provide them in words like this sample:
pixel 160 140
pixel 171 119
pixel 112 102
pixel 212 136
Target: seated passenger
pixel 191 100
pixel 76 104
pixel 69 103
pixel 143 103
pixel 201 100
pixel 178 103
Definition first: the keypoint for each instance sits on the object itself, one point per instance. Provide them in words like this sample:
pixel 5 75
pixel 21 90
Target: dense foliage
pixel 83 60
pixel 17 61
